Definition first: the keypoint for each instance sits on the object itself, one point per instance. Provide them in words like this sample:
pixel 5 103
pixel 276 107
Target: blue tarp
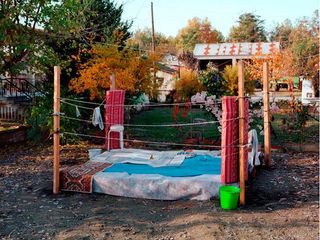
pixel 193 166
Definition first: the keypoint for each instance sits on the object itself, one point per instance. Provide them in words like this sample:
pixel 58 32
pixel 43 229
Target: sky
pixel 172 15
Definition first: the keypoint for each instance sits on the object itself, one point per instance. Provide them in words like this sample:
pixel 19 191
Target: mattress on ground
pixel 155 186
pixel 196 178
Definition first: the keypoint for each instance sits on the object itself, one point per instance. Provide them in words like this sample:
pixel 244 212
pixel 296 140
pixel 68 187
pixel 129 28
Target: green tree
pixel 197 31
pixel 282 32
pixel 142 39
pixel 249 29
pixel 213 81
pixel 22 42
pixel 304 44
pixel 75 27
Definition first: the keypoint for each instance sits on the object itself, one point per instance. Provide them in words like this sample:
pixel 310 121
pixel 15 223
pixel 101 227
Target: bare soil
pixel 282 203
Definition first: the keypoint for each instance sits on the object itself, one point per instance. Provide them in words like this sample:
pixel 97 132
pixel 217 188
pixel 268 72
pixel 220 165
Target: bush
pixel 188 85
pixel 230 75
pixel 213 81
pixel 41 118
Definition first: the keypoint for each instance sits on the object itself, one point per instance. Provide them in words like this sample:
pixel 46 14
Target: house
pixel 168 75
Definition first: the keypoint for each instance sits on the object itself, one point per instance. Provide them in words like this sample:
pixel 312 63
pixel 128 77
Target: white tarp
pixel 150 157
pixel 155 186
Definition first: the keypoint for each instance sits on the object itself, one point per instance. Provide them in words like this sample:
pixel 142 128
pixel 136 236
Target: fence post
pixel 241 132
pixel 266 115
pixel 56 128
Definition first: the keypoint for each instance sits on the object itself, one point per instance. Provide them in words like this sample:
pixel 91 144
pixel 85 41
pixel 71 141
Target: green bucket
pixel 229 197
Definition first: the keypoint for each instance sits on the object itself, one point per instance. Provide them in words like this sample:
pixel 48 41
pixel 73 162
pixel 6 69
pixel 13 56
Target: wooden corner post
pixel 266 114
pixel 241 132
pixel 56 129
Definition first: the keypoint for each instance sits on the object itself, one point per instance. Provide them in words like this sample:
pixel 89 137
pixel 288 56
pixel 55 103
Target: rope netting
pixel 185 131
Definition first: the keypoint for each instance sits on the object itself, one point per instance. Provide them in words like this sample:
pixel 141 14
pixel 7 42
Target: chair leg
pixel 109 140
pixel 121 139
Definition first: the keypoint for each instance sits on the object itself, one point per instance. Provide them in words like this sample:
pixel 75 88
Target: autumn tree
pixel 197 31
pixel 299 55
pixel 250 28
pixel 132 72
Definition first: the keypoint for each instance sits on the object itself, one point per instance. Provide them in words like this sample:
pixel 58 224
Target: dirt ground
pixel 282 203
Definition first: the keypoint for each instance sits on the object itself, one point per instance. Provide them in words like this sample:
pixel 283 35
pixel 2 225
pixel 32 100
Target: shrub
pixel 230 84
pixel 213 81
pixel 41 118
pixel 188 84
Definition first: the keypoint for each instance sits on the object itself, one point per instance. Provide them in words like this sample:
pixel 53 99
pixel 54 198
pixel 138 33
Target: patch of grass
pixel 164 115
pixel 283 134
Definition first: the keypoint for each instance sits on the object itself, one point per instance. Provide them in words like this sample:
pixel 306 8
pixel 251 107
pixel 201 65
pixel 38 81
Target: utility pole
pixel 153 45
pixel 152 33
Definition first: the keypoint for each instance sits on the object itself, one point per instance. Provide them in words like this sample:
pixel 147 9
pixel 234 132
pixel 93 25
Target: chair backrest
pixel 114 115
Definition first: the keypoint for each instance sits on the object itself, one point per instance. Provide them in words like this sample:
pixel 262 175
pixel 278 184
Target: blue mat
pixel 193 166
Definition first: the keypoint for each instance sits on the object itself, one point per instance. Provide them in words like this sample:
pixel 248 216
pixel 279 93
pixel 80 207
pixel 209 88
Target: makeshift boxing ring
pixel 165 175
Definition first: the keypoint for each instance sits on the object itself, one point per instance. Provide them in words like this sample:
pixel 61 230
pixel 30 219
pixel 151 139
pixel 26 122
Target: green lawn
pixel 308 134
pixel 164 115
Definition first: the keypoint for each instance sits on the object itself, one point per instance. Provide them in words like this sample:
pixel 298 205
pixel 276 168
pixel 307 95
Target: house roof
pixel 233 50
pixel 165 68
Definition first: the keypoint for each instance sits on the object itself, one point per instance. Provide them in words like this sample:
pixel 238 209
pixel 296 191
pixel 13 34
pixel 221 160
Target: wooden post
pixel 241 132
pixel 56 128
pixel 266 115
pixel 113 81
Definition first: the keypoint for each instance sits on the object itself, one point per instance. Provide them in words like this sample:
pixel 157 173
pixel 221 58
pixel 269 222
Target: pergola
pixel 228 53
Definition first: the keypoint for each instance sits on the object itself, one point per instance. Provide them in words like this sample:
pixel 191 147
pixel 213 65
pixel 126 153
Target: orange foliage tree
pixel 281 64
pixel 132 72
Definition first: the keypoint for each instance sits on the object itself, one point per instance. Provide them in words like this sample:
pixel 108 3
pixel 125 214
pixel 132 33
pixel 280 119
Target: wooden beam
pixel 56 128
pixel 113 81
pixel 266 115
pixel 241 132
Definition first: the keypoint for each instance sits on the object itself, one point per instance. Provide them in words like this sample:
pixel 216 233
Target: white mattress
pixel 155 186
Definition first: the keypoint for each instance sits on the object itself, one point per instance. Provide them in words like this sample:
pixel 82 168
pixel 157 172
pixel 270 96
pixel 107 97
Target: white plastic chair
pixel 116 128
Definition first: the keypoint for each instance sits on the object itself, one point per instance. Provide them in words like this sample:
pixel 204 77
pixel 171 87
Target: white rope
pixel 64 100
pixel 74 105
pixel 153 125
pixel 141 141
pixel 153 142
pixel 81 101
